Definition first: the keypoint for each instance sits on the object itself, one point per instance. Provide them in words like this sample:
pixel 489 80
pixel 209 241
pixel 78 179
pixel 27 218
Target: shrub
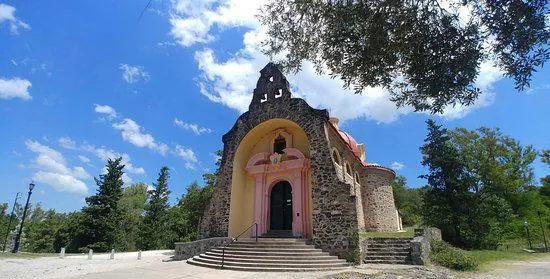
pixel 451 257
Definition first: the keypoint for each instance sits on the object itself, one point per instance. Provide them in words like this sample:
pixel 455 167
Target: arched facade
pixel 284 159
pixel 257 167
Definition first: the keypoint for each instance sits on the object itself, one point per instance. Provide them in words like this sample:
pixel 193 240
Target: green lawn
pixel 409 232
pixel 488 258
pixel 24 255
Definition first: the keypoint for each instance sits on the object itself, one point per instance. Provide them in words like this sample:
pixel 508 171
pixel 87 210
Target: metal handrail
pixel 234 239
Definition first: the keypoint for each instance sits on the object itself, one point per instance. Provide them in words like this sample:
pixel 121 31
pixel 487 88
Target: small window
pixel 336 157
pixel 279 144
pixel 348 169
pixel 356 178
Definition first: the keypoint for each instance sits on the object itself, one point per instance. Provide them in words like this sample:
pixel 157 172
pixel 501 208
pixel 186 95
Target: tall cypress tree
pixel 101 216
pixel 447 198
pixel 155 222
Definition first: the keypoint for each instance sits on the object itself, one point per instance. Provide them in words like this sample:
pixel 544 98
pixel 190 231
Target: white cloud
pixel 105 109
pixel 397 165
pixel 187 155
pixel 231 82
pixel 84 159
pixel 15 88
pixel 53 170
pixel 7 13
pixel 192 127
pixel 132 133
pixel 192 21
pixel 61 182
pixel 68 143
pixel 105 154
pixel 133 74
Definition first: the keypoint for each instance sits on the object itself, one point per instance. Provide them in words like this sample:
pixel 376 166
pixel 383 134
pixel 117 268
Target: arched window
pixel 348 169
pixel 336 157
pixel 356 178
pixel 279 144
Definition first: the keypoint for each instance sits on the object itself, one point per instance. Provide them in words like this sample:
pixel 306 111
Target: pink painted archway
pixel 293 168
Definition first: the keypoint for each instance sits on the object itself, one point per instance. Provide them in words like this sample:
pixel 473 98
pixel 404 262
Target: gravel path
pixel 154 264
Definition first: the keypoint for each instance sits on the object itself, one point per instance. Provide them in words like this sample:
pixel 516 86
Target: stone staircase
pixel 269 254
pixel 388 251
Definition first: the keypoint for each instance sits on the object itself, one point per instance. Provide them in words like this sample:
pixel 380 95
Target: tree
pixel 545 188
pixel 102 216
pixel 408 201
pixel 41 230
pixel 421 51
pixel 447 200
pixel 153 233
pixel 132 206
pixel 499 164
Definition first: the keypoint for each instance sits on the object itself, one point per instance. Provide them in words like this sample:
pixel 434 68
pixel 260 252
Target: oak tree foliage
pixel 421 51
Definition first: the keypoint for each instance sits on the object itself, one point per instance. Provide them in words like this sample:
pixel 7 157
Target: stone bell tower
pixel 272 86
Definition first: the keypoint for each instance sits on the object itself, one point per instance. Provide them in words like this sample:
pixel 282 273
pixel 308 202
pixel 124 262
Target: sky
pixel 84 81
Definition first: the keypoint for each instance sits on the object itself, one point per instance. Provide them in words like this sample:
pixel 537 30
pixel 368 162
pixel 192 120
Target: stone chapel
pixel 289 168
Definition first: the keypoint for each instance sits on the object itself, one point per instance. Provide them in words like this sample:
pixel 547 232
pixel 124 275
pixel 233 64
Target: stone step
pixel 274 250
pixel 386 257
pixel 390 239
pixel 270 265
pixel 268 246
pixel 388 245
pixel 271 256
pixel 267 269
pixel 268 260
pixel 386 262
pixel 269 243
pixel 386 249
pixel 271 252
pixel 276 240
pixel 388 254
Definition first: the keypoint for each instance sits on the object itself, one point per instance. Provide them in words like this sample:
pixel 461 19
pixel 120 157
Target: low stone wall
pixel 186 250
pixel 420 245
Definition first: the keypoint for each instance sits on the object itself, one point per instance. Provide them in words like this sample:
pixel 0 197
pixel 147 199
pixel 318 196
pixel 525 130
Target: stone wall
pixel 420 245
pixel 334 215
pixel 186 250
pixel 377 198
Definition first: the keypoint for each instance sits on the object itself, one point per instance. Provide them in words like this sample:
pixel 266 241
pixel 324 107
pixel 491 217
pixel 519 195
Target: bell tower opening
pixel 279 144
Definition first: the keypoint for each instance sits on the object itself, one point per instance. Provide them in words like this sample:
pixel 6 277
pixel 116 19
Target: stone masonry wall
pixel 186 250
pixel 377 198
pixel 333 209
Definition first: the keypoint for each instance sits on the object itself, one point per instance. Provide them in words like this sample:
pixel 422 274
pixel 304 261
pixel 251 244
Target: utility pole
pixel 18 238
pixel 11 219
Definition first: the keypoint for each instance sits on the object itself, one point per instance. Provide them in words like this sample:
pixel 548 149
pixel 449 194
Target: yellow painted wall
pixel 241 211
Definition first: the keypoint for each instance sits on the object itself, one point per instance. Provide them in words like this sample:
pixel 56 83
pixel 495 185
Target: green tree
pixel 155 222
pixel 41 230
pixel 499 165
pixel 447 200
pixel 419 50
pixel 102 216
pixel 408 201
pixel 71 233
pixel 132 206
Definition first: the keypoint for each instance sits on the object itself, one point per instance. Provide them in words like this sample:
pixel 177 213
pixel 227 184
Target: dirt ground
pixel 155 264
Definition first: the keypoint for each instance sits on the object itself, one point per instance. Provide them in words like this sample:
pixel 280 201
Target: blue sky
pixel 82 81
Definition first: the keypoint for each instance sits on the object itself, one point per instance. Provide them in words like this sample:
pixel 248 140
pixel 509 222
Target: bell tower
pixel 272 86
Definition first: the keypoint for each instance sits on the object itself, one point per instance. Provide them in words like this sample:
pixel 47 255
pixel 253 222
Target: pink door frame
pixel 294 168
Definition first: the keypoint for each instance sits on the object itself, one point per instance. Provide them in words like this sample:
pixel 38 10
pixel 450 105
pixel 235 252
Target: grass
pixel 409 232
pixel 25 255
pixel 489 258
